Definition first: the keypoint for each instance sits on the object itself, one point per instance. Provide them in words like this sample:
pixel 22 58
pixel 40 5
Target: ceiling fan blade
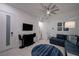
pixel 53 6
pixel 53 12
pixel 49 5
pixel 56 10
pixel 44 7
pixel 43 11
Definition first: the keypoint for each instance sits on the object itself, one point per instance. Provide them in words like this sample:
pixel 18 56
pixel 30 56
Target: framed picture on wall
pixel 59 24
pixel 59 28
pixel 65 29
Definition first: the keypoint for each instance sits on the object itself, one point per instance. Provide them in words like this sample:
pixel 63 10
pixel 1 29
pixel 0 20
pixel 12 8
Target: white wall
pixel 50 25
pixel 18 17
pixel 63 17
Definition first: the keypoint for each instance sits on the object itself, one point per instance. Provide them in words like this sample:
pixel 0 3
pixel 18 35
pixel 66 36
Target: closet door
pixel 8 31
pixel 2 32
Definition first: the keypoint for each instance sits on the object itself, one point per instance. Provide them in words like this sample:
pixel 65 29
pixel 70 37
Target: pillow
pixel 72 39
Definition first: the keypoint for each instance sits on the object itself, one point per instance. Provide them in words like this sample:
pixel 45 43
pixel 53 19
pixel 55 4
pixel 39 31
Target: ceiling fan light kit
pixel 48 12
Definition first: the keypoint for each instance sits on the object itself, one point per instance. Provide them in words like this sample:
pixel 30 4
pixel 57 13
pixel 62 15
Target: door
pixel 7 31
pixel 2 32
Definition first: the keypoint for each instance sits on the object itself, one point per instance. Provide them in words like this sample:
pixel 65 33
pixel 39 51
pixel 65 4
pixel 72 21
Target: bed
pixel 45 50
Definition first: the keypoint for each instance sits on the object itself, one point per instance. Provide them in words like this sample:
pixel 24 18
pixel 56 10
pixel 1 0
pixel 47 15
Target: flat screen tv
pixel 27 27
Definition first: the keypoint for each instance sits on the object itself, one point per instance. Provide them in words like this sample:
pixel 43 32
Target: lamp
pixel 70 24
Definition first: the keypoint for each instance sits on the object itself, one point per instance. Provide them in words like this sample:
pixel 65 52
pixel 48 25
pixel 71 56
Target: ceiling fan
pixel 49 9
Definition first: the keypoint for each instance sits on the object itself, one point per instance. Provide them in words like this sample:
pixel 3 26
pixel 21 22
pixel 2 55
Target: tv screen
pixel 27 27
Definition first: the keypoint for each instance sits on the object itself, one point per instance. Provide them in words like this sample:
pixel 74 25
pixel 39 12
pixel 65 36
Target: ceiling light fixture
pixel 48 12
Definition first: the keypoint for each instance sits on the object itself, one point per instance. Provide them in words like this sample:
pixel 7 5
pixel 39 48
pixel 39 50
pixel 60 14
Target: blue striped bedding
pixel 46 50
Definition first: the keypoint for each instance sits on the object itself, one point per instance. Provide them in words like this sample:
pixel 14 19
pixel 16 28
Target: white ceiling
pixel 34 8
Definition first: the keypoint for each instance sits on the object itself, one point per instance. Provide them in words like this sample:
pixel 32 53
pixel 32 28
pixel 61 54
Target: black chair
pixel 71 47
pixel 20 38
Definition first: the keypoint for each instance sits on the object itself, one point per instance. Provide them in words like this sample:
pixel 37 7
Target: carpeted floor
pixel 27 50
